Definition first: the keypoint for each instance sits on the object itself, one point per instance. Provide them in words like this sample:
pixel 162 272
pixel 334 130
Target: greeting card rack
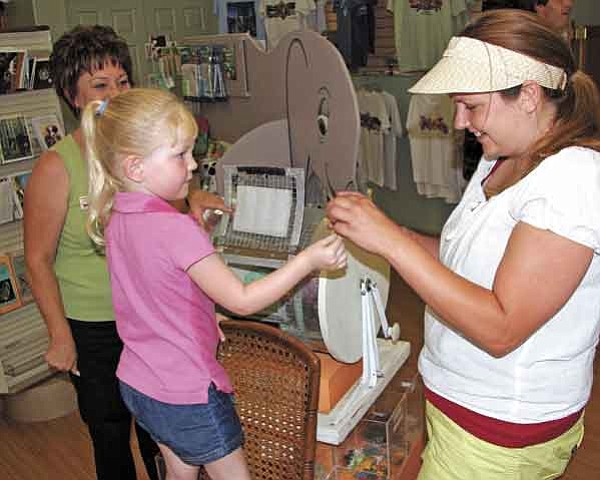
pixel 23 337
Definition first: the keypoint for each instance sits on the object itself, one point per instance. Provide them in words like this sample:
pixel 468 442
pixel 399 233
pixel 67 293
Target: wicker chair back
pixel 276 382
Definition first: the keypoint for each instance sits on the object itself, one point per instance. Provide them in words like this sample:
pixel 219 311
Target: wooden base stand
pixel 336 380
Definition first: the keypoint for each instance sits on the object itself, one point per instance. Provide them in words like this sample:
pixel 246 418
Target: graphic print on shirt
pixel 432 124
pixel 281 10
pixel 426 5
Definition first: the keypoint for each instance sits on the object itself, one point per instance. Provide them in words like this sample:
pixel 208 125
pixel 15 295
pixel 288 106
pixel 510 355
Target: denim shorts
pixel 198 434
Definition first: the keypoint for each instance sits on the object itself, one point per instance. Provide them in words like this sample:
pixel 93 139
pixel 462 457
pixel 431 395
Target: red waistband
pixel 499 432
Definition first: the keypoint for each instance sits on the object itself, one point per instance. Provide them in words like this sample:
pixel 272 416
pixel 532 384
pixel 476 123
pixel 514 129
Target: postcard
pixel 7 202
pixel 47 130
pixel 22 280
pixel 9 295
pixel 15 139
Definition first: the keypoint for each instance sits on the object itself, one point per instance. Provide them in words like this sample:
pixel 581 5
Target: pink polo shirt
pixel 166 322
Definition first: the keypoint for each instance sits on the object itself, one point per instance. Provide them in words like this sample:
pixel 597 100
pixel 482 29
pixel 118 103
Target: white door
pixel 125 16
pixel 136 20
pixel 180 18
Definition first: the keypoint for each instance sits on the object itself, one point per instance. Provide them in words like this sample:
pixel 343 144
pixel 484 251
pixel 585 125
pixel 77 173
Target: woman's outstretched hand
pixel 354 216
pixel 328 253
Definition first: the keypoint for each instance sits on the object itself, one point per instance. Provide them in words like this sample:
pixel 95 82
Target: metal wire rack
pixel 252 254
pixel 267 178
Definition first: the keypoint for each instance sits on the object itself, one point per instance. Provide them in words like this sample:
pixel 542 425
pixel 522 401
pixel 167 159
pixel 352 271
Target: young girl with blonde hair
pixel 165 279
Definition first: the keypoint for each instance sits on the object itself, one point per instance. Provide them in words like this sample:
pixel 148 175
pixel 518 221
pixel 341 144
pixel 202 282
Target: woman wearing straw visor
pixel 512 285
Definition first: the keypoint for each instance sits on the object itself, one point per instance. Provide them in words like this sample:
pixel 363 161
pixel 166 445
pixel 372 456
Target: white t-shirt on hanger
pixel 277 27
pixel 436 147
pixel 373 105
pixel 390 161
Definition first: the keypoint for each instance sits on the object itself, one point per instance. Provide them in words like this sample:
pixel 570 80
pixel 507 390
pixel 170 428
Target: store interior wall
pixel 231 120
pixel 52 12
pixel 20 13
pixel 586 12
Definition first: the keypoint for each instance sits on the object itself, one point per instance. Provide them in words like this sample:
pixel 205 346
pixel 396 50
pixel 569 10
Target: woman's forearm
pixel 428 242
pixel 473 310
pixel 46 292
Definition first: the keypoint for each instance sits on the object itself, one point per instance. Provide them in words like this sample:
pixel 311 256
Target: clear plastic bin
pixel 379 446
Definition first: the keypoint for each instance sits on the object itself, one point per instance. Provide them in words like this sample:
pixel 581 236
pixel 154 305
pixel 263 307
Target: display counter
pixel 387 443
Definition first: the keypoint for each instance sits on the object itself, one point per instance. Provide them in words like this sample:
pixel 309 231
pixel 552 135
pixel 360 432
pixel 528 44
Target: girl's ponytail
pixel 101 187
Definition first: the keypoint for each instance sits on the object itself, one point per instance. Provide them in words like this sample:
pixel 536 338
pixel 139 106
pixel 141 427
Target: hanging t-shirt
pixel 375 125
pixel 422 34
pixel 435 147
pixel 355 36
pixel 282 18
pixel 316 20
pixel 240 17
pixel 390 161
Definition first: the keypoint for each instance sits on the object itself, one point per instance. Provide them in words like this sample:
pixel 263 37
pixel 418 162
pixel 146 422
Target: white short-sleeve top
pixel 550 375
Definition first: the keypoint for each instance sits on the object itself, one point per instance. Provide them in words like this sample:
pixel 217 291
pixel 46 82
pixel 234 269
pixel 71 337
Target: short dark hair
pixel 85 48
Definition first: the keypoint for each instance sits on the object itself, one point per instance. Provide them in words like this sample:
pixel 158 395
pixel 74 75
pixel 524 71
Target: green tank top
pixel 81 271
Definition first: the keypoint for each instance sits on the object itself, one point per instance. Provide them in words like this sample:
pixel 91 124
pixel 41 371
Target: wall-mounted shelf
pixel 23 335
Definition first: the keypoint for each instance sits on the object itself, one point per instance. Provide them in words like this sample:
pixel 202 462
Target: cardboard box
pixel 44 401
pixel 336 380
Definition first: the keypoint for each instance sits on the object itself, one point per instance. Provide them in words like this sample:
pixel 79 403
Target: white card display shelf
pixel 32 38
pixel 23 343
pixel 29 104
pixel 23 336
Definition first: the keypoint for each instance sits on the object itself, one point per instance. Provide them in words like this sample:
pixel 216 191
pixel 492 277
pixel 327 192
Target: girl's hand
pixel 328 253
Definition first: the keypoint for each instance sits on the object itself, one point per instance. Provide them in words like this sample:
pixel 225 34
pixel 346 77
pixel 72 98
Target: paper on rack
pixel 7 203
pixel 261 210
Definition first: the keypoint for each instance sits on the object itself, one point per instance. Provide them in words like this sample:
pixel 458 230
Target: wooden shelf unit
pixel 23 335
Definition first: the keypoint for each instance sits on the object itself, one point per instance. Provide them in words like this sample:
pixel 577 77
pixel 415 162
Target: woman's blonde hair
pixel 135 122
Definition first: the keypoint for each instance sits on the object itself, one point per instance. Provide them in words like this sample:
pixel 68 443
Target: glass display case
pixel 386 444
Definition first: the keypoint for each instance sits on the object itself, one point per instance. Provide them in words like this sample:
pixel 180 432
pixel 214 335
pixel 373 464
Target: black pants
pixel 100 405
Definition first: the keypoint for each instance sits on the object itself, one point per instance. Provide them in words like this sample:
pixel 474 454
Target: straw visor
pixel 472 66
